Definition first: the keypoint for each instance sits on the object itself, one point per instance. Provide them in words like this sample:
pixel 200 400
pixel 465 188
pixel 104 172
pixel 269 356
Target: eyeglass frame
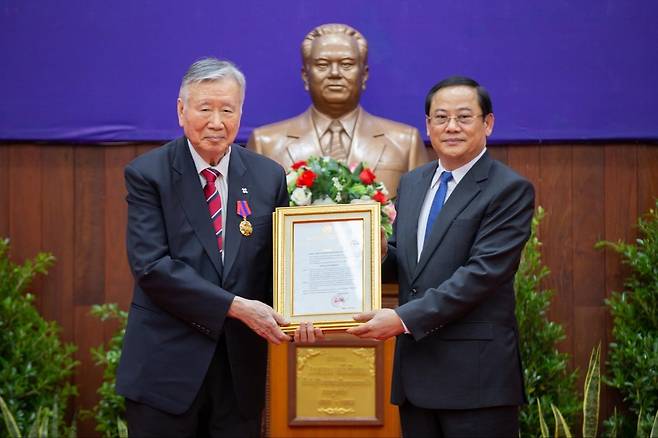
pixel 455 118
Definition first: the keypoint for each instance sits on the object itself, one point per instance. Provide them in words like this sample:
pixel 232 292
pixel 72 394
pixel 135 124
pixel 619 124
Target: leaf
pixel 591 394
pixel 561 428
pixel 654 428
pixel 10 423
pixel 122 429
pixel 542 422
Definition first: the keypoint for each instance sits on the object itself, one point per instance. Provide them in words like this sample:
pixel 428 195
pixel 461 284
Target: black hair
pixel 483 95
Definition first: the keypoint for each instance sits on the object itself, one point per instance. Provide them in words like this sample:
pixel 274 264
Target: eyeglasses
pixel 462 119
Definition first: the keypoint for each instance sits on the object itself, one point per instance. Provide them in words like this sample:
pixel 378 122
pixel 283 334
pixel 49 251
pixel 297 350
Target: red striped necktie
pixel 214 201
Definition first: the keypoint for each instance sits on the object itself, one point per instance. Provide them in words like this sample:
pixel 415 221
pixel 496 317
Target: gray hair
pixel 335 28
pixel 212 69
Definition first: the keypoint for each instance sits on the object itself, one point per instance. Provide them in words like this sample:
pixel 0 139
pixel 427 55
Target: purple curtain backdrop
pixel 92 71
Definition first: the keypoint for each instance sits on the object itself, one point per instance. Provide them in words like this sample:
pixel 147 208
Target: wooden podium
pixel 339 387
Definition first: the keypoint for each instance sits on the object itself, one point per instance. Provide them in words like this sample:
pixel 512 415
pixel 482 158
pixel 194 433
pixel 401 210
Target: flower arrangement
pixel 323 180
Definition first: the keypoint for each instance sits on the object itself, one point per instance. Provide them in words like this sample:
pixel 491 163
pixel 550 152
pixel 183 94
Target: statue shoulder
pixel 388 125
pixel 282 128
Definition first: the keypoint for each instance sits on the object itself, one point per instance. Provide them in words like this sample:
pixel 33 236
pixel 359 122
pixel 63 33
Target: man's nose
pixel 334 69
pixel 453 125
pixel 216 120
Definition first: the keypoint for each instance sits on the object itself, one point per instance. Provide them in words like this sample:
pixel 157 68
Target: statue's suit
pixel 389 148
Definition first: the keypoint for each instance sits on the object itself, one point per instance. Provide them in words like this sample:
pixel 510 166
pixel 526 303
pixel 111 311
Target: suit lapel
pixel 368 141
pixel 421 185
pixel 190 193
pixel 302 139
pixel 237 180
pixel 464 193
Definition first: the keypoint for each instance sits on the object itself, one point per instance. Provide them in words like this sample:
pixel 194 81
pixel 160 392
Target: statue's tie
pixel 336 148
pixel 437 203
pixel 214 201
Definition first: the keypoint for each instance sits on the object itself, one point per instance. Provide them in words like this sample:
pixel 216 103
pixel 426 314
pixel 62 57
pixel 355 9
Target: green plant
pixel 35 365
pixel 633 356
pixel 44 424
pixel 547 378
pixel 110 409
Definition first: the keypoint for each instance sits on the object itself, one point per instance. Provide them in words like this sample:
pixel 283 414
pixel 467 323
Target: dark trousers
pixel 495 422
pixel 213 413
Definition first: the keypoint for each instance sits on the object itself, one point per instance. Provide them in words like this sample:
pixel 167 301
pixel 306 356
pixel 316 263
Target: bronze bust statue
pixel 335 71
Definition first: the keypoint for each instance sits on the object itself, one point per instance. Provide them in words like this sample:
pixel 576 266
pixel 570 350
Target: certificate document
pixel 327 263
pixel 328 267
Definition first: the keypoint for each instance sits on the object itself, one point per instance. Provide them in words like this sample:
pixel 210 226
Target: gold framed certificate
pixel 326 263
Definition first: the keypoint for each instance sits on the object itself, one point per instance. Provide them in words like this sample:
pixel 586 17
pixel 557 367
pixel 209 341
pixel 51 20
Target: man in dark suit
pixel 335 71
pixel 200 247
pixel 461 226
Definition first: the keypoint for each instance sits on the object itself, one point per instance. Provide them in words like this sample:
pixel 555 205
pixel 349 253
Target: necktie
pixel 214 201
pixel 336 149
pixel 437 203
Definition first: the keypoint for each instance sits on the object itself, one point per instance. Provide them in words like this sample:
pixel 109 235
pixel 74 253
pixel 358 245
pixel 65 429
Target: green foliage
pixel 44 425
pixel 545 369
pixel 110 409
pixel 633 356
pixel 592 394
pixel 35 366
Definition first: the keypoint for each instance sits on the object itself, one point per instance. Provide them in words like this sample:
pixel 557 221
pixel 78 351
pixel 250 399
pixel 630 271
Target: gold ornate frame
pixel 284 220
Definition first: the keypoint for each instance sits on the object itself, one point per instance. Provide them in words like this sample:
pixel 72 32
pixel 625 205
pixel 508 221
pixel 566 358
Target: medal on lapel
pixel 244 210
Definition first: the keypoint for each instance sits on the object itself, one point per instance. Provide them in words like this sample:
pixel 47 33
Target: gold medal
pixel 245 227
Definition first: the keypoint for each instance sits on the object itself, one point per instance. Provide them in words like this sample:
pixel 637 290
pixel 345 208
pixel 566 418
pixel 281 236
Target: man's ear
pixel 179 111
pixel 366 73
pixel 305 78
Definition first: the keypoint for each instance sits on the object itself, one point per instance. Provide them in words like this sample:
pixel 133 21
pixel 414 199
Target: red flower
pixel 367 176
pixel 380 197
pixel 307 178
pixel 298 164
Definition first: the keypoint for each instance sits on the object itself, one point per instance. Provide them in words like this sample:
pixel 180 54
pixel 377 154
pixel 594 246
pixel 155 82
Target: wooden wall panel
pixel 555 231
pixel 4 191
pixel 89 225
pixel 118 279
pixel 58 230
pixel 69 199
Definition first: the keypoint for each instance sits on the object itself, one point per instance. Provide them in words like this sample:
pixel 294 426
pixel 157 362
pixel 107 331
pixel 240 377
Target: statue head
pixel 334 68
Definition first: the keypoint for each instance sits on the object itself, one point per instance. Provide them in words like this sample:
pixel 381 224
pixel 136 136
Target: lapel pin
pixel 244 190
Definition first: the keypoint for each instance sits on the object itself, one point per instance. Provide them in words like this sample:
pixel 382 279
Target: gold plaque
pixel 336 383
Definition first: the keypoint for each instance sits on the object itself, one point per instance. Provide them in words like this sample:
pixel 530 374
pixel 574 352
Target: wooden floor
pixel 69 200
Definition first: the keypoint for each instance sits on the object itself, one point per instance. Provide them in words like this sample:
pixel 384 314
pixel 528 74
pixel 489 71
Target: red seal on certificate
pixel 338 300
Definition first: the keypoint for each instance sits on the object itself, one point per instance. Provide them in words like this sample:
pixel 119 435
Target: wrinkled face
pixel 334 73
pixel 465 134
pixel 209 113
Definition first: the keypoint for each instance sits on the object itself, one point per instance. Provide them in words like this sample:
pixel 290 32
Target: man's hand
pixel 379 324
pixel 307 333
pixel 384 244
pixel 259 317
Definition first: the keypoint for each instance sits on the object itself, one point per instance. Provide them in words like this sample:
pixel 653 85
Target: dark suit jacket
pixel 389 148
pixel 182 290
pixel 458 299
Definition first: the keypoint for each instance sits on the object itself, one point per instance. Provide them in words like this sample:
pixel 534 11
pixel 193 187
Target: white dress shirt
pixel 221 183
pixel 457 175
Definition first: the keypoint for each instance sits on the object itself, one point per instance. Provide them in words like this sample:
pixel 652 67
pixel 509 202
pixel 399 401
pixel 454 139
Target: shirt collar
pixel 322 122
pixel 458 173
pixel 200 163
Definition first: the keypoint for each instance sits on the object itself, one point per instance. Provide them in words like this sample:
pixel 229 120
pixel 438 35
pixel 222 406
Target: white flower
pixel 301 196
pixel 323 201
pixel 382 188
pixel 339 197
pixel 291 178
pixel 337 183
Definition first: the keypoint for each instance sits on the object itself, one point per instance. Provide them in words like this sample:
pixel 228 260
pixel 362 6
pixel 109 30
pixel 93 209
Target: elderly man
pixel 461 226
pixel 200 247
pixel 335 71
